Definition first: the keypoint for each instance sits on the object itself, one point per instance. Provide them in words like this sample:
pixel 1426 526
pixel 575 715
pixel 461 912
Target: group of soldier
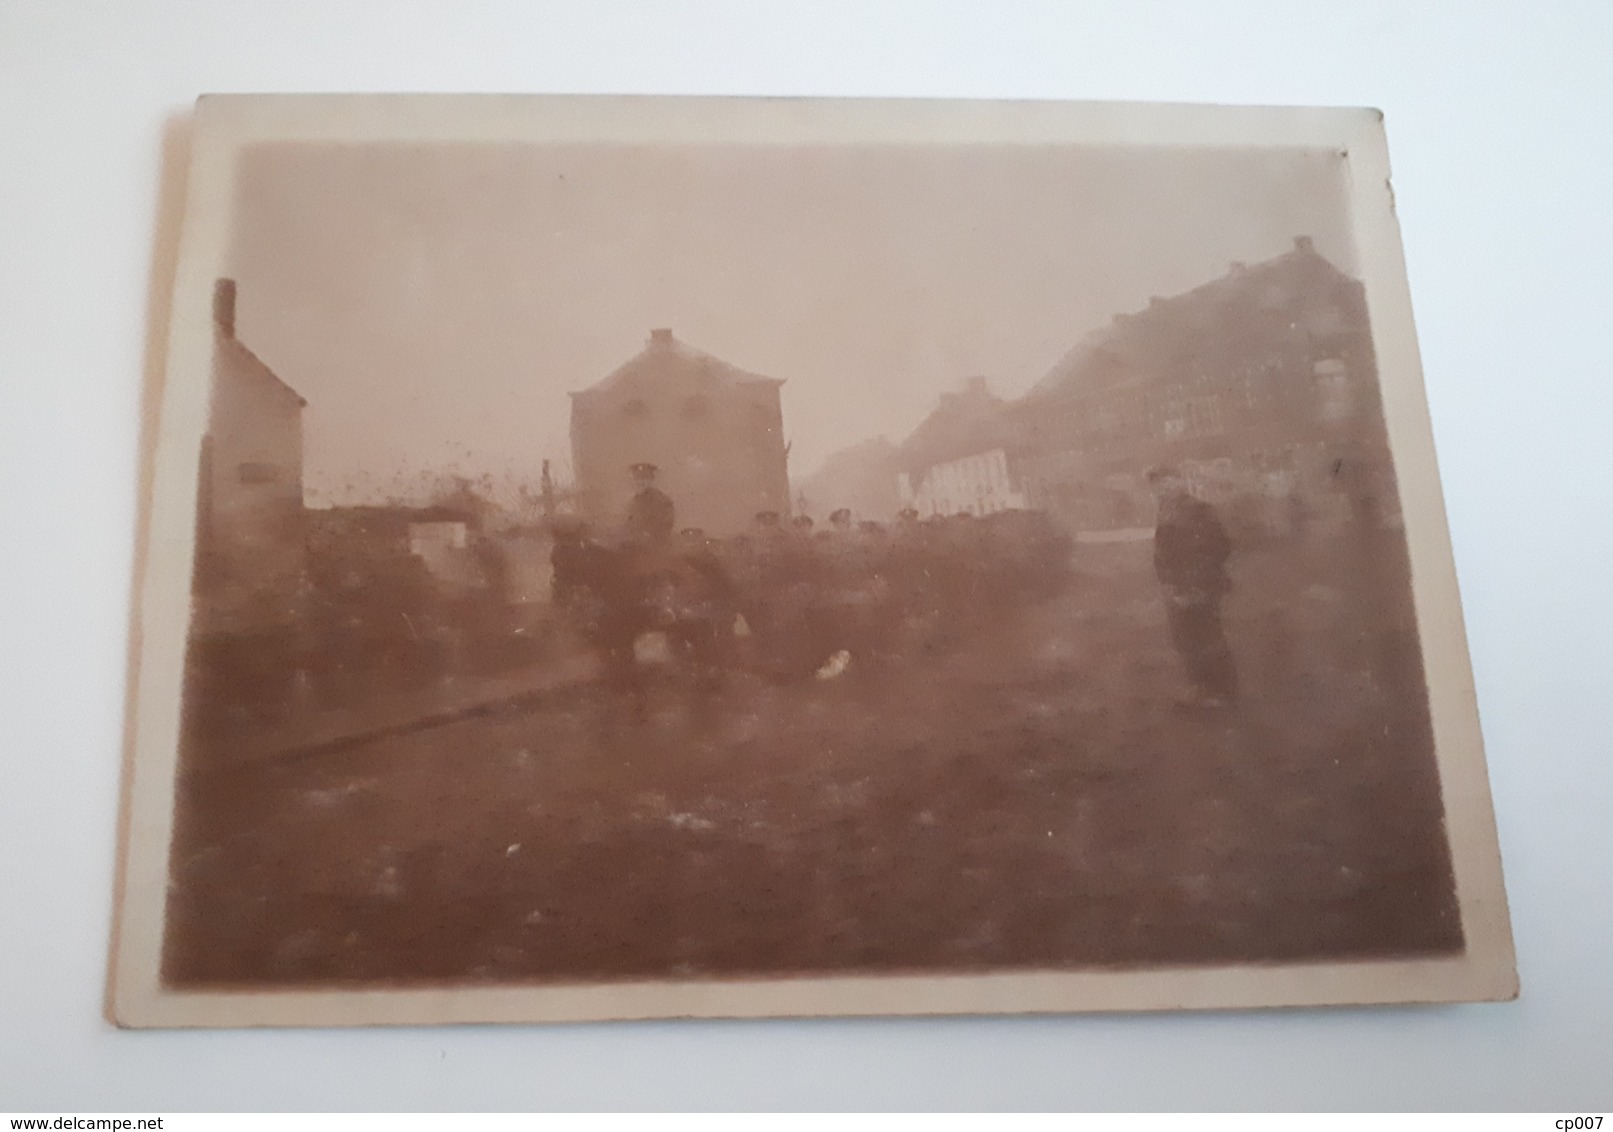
pixel 795 601
pixel 787 598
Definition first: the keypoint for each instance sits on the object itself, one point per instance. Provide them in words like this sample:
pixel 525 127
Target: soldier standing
pixel 571 562
pixel 650 514
pixel 756 568
pixel 708 602
pixel 1191 549
pixel 841 552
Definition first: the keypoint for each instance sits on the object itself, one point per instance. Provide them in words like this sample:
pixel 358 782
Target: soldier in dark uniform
pixel 841 553
pixel 571 563
pixel 846 581
pixel 1191 549
pixel 910 566
pixel 802 565
pixel 767 554
pixel 650 514
pixel 783 610
pixel 708 601
pixel 648 553
pixel 754 562
pixel 603 600
pixel 698 551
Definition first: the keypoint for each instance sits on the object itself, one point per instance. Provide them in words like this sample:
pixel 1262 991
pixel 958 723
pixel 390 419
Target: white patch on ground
pixel 652 648
pixel 336 795
pixel 835 666
pixel 691 821
pixel 390 883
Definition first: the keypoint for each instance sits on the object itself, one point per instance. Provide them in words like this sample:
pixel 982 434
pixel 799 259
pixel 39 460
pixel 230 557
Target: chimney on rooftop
pixel 1303 244
pixel 661 336
pixel 224 306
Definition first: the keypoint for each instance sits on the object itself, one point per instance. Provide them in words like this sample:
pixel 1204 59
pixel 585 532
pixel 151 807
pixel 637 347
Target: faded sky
pixel 434 304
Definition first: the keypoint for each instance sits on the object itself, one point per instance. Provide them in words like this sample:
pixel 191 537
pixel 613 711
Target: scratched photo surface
pixel 627 562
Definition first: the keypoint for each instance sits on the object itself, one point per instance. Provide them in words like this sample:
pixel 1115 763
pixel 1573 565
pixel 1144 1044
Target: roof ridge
pixel 1108 335
pixel 267 369
pixel 684 352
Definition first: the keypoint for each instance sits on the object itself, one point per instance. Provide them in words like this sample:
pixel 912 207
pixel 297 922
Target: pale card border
pixel 225 124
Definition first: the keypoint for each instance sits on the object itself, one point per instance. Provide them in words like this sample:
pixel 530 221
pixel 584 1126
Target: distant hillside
pixel 862 477
pixel 965 421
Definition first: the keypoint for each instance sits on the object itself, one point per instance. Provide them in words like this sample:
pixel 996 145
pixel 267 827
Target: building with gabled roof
pixel 957 460
pixel 251 553
pixel 1261 384
pixel 714 431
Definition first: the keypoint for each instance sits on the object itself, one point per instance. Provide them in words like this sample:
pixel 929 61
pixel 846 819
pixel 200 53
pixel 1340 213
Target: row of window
pixel 691 408
pixel 696 407
pixel 1186 416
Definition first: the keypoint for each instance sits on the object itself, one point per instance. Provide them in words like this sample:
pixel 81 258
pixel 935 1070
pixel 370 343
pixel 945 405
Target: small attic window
pixel 635 409
pixel 696 407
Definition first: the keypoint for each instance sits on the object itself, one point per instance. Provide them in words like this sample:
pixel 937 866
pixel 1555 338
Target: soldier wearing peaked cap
pixel 651 514
pixel 1191 549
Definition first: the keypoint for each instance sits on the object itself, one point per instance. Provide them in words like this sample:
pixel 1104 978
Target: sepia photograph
pixel 626 558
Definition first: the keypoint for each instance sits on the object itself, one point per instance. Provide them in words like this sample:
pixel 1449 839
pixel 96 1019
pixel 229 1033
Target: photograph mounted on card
pixel 618 558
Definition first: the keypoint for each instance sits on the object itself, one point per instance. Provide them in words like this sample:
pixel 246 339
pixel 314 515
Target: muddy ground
pixel 1031 797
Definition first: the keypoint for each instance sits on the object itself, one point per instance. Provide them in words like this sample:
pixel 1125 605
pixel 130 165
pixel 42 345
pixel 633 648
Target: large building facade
pixel 958 461
pixel 977 484
pixel 1260 385
pixel 714 431
pixel 251 546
